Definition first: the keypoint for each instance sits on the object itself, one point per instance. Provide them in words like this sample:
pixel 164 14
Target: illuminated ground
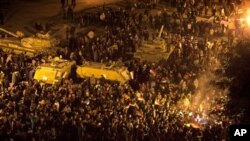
pixel 24 12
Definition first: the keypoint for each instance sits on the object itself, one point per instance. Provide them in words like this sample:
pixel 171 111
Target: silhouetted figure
pixel 63 3
pixel 67 2
pixel 72 30
pixel 70 13
pixel 67 32
pixel 73 2
pixel 1 18
pixel 38 26
pixel 64 12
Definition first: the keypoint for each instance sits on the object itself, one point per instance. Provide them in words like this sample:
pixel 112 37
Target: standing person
pixel 63 3
pixel 1 18
pixel 73 2
pixel 67 2
pixel 70 14
pixel 67 32
pixel 64 12
pixel 214 10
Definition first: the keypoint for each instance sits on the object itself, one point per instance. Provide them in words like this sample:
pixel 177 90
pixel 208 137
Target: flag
pixel 139 96
pixel 139 113
pixel 125 96
pixel 195 124
pixel 157 101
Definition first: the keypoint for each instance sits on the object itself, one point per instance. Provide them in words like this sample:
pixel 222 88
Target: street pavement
pixel 24 12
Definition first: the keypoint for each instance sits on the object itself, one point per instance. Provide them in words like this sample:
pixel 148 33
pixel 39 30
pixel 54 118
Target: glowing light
pixel 45 78
pixel 248 17
pixel 187 124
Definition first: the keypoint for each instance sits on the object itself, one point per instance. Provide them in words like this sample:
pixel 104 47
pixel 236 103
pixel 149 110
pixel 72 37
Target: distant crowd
pixel 149 106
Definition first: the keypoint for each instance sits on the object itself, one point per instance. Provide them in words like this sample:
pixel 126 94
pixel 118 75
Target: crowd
pixel 123 34
pixel 127 28
pixel 146 108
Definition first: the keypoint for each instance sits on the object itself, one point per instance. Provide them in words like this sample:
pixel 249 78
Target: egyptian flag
pixel 139 96
pixel 158 101
pixel 125 96
pixel 195 125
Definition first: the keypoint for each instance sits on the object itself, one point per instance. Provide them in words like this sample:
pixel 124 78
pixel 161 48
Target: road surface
pixel 26 11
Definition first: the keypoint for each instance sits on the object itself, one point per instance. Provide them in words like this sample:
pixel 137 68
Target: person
pixel 64 12
pixel 67 32
pixel 1 18
pixel 67 2
pixel 73 2
pixel 63 3
pixel 70 13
